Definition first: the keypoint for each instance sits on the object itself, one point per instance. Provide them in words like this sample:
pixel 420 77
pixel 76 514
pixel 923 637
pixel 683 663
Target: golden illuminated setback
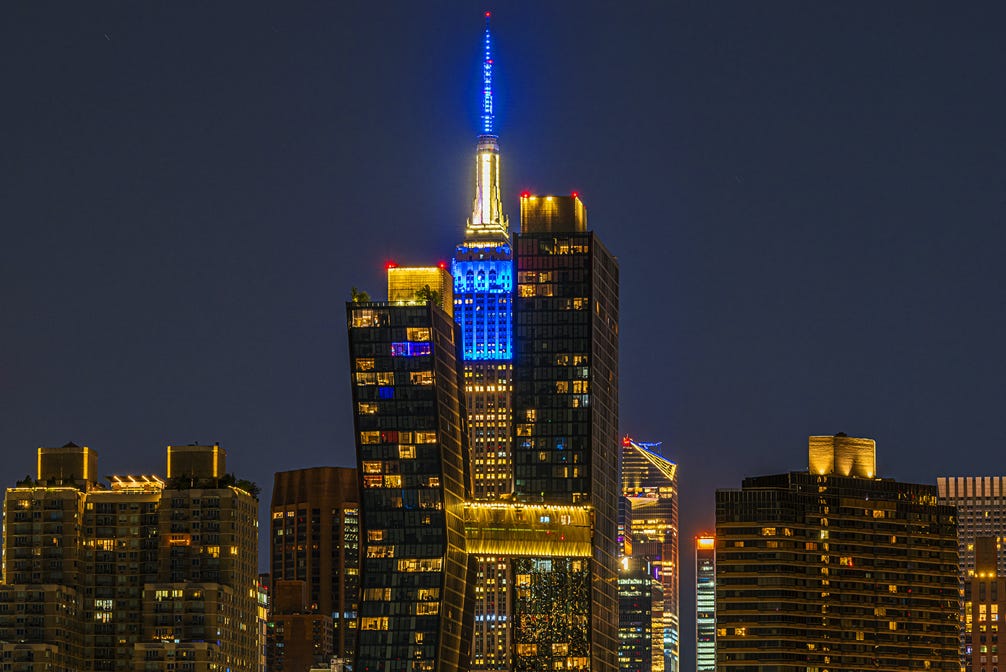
pixel 528 530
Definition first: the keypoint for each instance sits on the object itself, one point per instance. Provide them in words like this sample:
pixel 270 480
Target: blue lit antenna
pixel 487 83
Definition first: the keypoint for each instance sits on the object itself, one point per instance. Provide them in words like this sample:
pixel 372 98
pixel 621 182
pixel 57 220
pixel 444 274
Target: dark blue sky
pixel 807 201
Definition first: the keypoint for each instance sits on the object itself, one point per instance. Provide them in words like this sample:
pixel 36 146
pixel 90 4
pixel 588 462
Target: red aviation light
pixel 626 442
pixel 525 194
pixel 488 14
pixel 575 194
pixel 391 264
pixel 442 265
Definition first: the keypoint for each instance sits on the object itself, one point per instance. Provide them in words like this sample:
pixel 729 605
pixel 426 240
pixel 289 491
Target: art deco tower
pixel 483 289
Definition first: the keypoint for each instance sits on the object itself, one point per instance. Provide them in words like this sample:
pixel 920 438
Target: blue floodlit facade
pixel 483 287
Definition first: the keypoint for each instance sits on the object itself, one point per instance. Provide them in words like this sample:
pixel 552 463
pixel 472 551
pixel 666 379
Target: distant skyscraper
pixel 981 512
pixel 650 486
pixel 566 432
pixel 482 267
pixel 705 604
pixel 834 568
pixel 415 608
pixel 640 609
pixel 984 601
pixel 314 537
pixel 141 574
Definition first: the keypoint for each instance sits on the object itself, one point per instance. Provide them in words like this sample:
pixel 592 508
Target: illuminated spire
pixel 487 218
pixel 487 82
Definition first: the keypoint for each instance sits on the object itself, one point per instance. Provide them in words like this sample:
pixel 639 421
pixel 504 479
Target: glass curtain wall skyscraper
pixel 415 608
pixel 482 267
pixel 650 488
pixel 565 406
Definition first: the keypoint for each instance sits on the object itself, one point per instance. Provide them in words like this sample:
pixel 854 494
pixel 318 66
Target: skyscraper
pixel 834 568
pixel 565 405
pixel 415 608
pixel 482 267
pixel 650 487
pixel 981 512
pixel 314 537
pixel 640 617
pixel 984 601
pixel 705 603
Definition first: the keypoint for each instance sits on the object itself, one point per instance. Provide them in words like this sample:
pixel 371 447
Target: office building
pixel 482 269
pixel 835 568
pixel 412 456
pixel 565 409
pixel 705 603
pixel 640 609
pixel 981 512
pixel 141 574
pixel 650 487
pixel 314 537
pixel 984 600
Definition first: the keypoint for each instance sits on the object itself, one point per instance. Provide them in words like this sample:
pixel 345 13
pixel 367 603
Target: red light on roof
pixel 626 442
pixel 576 194
pixel 488 14
pixel 442 265
pixel 391 264
pixel 525 194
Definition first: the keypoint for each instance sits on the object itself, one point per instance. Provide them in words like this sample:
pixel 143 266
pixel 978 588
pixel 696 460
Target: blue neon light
pixel 487 84
pixel 410 349
pixel 483 305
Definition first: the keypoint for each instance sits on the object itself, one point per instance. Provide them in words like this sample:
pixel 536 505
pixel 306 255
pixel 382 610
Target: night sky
pixel 806 199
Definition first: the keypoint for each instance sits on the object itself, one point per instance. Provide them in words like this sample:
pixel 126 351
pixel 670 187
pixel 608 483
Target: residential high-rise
pixel 565 408
pixel 139 575
pixel 640 608
pixel 412 457
pixel 984 600
pixel 981 512
pixel 482 267
pixel 314 537
pixel 834 568
pixel 705 603
pixel 650 486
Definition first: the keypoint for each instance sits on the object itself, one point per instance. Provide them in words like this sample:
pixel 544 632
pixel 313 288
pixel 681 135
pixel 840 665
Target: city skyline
pixel 806 242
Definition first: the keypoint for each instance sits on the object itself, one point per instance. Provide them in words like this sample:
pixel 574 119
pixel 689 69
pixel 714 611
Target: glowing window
pixel 417 333
pixel 421 377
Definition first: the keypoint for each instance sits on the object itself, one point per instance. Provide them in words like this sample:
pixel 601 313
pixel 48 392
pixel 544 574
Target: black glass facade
pixel 565 405
pixel 415 602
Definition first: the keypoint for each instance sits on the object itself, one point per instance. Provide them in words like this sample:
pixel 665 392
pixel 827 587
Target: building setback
pixel 834 568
